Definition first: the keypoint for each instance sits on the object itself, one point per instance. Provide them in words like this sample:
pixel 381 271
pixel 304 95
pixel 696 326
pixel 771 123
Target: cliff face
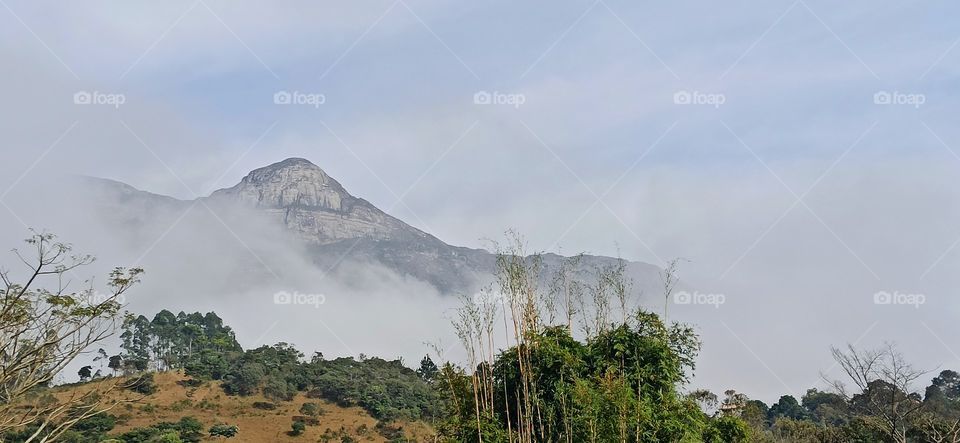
pixel 316 207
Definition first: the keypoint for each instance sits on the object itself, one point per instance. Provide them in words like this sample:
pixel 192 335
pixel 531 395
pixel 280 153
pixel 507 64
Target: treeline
pixel 884 409
pixel 199 341
pixel 388 390
pixel 206 349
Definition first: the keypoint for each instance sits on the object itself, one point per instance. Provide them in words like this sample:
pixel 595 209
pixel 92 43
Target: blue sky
pixel 716 185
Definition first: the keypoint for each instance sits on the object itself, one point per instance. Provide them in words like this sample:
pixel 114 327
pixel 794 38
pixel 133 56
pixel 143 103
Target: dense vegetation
pixel 193 341
pixel 97 429
pixel 620 382
pixel 581 364
pixel 386 389
pixel 206 349
pixel 882 412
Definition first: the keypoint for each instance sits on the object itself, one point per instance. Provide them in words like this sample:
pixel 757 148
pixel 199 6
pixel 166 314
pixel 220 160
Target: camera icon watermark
pixel 99 98
pixel 684 97
pixel 899 298
pixel 299 98
pixel 699 298
pixel 499 98
pixel 297 298
pixel 899 98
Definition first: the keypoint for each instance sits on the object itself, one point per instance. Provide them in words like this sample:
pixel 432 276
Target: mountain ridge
pixel 333 226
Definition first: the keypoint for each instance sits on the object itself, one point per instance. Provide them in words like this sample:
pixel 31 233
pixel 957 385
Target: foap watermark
pixel 299 98
pixel 298 298
pixel 684 97
pixel 499 98
pixel 99 98
pixel 899 298
pixel 699 298
pixel 899 98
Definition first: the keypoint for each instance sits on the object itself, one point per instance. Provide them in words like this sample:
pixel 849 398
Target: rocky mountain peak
pixel 291 183
pixel 314 205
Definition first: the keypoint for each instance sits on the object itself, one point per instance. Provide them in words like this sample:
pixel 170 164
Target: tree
pixel 827 408
pixel 428 369
pixel 733 403
pixel 44 329
pixel 163 330
pixel 755 414
pixel 85 373
pixel 706 400
pixel 116 363
pixel 727 430
pixel 885 383
pixel 788 407
pixel 940 421
pixel 136 342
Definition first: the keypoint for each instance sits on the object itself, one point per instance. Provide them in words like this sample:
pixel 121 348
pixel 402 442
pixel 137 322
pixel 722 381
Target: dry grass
pixel 210 405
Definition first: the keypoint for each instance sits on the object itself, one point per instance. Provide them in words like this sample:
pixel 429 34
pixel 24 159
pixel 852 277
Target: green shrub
pixel 143 384
pixel 310 408
pixel 264 405
pixel 297 428
pixel 188 430
pixel 224 430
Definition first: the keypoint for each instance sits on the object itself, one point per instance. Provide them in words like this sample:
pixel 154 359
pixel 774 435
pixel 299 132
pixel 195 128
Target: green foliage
pixel 89 430
pixel 620 385
pixel 244 379
pixel 188 430
pixel 266 406
pixel 207 349
pixel 224 430
pixel 310 408
pixel 726 430
pixel 198 343
pixel 386 389
pixel 85 373
pixel 428 369
pixel 297 428
pixel 788 407
pixel 142 384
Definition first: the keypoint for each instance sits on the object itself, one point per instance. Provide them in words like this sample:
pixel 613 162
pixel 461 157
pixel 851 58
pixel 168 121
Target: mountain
pixel 333 226
pixel 313 205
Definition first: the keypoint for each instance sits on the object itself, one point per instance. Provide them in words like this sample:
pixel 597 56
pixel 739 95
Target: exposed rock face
pixel 333 225
pixel 315 206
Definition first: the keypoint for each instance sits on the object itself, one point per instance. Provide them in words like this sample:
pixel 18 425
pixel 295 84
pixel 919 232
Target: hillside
pixel 175 399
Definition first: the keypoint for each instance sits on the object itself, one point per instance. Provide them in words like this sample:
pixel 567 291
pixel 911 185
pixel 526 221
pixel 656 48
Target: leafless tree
pixel 669 279
pixel 938 429
pixel 884 387
pixel 43 330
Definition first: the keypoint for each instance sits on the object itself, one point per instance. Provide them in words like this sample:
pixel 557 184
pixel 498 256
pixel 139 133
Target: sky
pixel 800 156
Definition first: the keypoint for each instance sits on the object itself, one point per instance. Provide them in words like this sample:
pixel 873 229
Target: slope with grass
pixel 257 418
